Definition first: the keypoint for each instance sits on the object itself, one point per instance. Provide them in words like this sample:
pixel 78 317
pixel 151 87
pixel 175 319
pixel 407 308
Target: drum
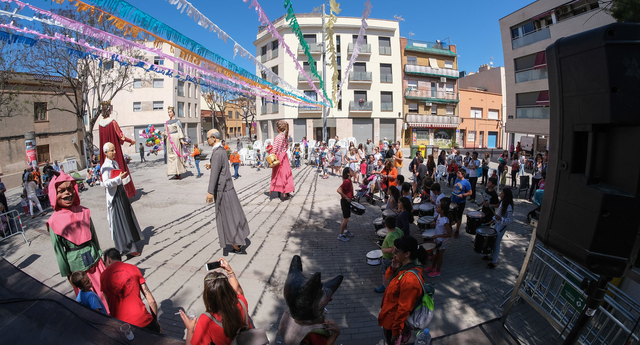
pixel 389 213
pixel 474 219
pixel 272 160
pixel 378 223
pixel 373 257
pixel 382 233
pixel 453 208
pixel 424 222
pixel 485 240
pixel 417 201
pixel 425 209
pixel 430 247
pixel 429 233
pixel 357 208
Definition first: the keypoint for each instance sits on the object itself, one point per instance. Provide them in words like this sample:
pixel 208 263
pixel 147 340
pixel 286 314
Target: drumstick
pixel 379 246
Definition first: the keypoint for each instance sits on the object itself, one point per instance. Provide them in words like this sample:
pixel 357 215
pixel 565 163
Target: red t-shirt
pixel 208 332
pixel 120 284
pixel 347 188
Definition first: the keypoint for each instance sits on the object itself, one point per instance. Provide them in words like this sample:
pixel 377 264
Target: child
pixel 326 158
pixel 387 250
pixel 296 155
pixel 443 233
pixel 317 150
pixel 25 204
pixel 515 169
pixel 363 170
pixel 346 194
pixel 86 297
pixel 452 171
pixel 90 178
pixel 405 215
pixel 436 194
pixel 258 160
pixel 543 181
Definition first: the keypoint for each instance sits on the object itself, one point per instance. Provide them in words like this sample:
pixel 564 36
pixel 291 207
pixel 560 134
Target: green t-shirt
pixel 388 242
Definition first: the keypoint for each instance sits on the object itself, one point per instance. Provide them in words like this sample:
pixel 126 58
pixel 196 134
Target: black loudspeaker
pixel 591 205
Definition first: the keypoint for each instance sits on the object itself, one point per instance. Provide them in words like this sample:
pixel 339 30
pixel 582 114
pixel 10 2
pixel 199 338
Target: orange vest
pixel 234 158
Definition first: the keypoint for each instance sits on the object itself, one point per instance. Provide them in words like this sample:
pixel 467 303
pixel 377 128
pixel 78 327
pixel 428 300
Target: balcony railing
pixel 386 78
pixel 275 108
pixel 531 37
pixel 314 48
pixel 302 78
pixel 433 119
pixel 386 106
pixel 430 71
pixel 432 96
pixel 263 109
pixel 440 48
pixel 360 76
pixel 532 74
pixel 365 49
pixel 274 54
pixel 361 106
pixel 310 109
pixel 263 58
pixel 532 112
pixel 384 50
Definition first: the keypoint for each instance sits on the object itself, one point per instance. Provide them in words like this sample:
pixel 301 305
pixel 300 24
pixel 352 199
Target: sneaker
pixel 348 233
pixel 429 269
pixel 434 274
pixel 238 251
pixel 343 238
pixel 380 289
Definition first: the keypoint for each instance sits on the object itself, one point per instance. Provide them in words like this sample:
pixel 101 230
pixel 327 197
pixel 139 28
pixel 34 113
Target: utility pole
pixel 324 76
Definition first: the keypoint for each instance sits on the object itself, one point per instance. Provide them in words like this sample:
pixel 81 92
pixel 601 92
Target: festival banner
pixel 359 42
pixel 334 7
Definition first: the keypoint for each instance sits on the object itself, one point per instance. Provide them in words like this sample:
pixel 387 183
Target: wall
pixel 485 101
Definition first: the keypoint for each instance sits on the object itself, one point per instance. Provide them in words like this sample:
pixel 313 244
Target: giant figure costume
pixel 110 132
pixel 175 134
pixel 306 299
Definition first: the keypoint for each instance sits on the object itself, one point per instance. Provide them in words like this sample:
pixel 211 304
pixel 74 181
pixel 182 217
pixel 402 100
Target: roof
pixel 435 51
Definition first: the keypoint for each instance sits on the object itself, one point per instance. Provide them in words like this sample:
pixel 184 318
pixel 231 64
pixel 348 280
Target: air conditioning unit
pixel 428 104
pixel 443 79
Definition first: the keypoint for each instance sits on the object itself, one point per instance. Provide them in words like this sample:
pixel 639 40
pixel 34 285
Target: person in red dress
pixel 281 176
pixel 110 132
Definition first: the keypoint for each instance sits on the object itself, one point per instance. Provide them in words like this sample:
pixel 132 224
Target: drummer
pixel 442 224
pixel 387 250
pixel 346 193
pixel 461 190
pixel 436 194
pixel 491 200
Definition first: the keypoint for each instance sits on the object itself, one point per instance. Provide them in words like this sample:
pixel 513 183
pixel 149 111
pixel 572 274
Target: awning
pixel 543 98
pixel 430 125
pixel 434 63
pixel 541 61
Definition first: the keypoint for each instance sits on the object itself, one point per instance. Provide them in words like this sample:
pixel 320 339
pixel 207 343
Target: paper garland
pixel 295 28
pixel 262 17
pixel 13 38
pixel 333 56
pixel 359 41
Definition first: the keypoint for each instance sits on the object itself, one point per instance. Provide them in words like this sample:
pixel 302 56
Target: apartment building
pixel 147 101
pixel 526 33
pixel 371 104
pixel 482 104
pixel 430 92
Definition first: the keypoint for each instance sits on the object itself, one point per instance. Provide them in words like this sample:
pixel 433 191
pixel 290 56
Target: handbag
pixel 422 312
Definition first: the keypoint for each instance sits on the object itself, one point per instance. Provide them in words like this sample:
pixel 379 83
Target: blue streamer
pixel 14 38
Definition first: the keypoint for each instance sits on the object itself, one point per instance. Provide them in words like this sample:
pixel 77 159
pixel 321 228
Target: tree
pixel 247 106
pixel 11 56
pixel 90 79
pixel 624 10
pixel 217 100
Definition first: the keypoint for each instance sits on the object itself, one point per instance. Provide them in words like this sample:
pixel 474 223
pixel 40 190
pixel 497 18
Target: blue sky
pixel 471 25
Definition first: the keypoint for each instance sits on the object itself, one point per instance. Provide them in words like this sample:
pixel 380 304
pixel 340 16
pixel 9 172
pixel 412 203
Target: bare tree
pixel 92 79
pixel 217 101
pixel 10 105
pixel 247 106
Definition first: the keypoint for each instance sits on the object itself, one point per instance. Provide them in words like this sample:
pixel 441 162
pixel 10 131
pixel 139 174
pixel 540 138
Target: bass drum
pixel 357 208
pixel 485 240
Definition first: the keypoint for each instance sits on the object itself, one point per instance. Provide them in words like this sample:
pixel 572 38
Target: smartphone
pixel 210 266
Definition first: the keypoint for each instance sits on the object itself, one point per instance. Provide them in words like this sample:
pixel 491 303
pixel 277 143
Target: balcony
pixel 532 113
pixel 386 78
pixel 274 54
pixel 432 121
pixel 303 79
pixel 432 96
pixel 361 107
pixel 431 72
pixel 439 48
pixel 365 49
pixel 530 75
pixel 263 58
pixel 314 49
pixel 275 108
pixel 384 50
pixel 386 106
pixel 360 77
pixel 530 38
pixel 263 109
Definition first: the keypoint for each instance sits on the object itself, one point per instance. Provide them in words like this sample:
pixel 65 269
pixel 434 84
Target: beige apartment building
pixel 430 90
pixel 526 33
pixel 58 133
pixel 371 104
pixel 147 101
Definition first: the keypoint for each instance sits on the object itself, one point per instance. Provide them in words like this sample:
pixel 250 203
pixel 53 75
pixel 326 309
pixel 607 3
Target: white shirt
pixel 472 171
pixel 436 199
pixel 440 227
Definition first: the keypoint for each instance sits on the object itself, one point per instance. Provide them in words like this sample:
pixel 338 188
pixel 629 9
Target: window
pixel 195 110
pixel 386 75
pixel 137 106
pixel 340 104
pixel 307 67
pixel 386 101
pixel 230 114
pixel 472 136
pixel 40 111
pixel 422 134
pixel 355 38
pixel 475 113
pixel 188 89
pixel 434 109
pixel 157 60
pixel 384 44
pixel 413 108
pixel 181 88
pixel 263 51
pixel 311 95
pixel 338 47
pixel 412 84
pixel 237 115
pixel 274 45
pixel 494 114
pixel 180 109
pixel 527 99
pixel 448 64
pixel 311 39
pixel 158 105
pixel 137 83
pixel 180 67
pixel 450 110
pixel 195 91
pixel 412 60
pixel 360 95
pixel 188 109
pixel 43 153
pixel 531 67
pixel 274 69
pixel 158 83
pixel 449 88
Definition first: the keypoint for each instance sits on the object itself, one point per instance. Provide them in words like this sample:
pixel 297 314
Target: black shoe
pixel 487 258
pixel 238 251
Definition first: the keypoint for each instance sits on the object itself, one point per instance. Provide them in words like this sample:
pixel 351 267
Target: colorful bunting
pixel 356 48
pixel 333 56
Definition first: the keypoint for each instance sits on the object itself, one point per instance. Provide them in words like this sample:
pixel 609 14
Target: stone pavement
pixel 181 237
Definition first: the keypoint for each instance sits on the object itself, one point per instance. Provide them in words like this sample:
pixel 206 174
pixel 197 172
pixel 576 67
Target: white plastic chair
pixel 257 145
pixel 441 170
pixel 250 158
pixel 352 140
pixel 331 143
pixel 243 155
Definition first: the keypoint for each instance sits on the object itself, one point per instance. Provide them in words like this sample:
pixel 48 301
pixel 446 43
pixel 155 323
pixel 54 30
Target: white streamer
pixel 356 48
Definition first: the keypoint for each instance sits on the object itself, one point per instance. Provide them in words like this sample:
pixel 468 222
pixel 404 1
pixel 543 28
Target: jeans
pixel 473 181
pixel 452 178
pixel 297 162
pixel 236 166
pixel 496 249
pixel 198 167
pixel 534 187
pixel 142 156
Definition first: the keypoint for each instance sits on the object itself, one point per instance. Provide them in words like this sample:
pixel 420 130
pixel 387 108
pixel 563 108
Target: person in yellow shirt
pixel 398 158
pixel 235 161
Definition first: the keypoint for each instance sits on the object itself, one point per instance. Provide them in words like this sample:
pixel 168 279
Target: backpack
pixel 389 154
pixel 252 336
pixel 422 312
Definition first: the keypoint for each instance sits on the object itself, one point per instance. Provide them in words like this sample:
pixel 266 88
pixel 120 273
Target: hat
pixel 385 138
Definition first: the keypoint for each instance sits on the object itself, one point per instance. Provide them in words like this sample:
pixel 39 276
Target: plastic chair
pixel 331 143
pixel 352 140
pixel 243 155
pixel 268 142
pixel 441 171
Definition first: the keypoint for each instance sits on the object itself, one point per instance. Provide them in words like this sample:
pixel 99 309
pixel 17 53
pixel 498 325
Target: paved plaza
pixel 180 237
